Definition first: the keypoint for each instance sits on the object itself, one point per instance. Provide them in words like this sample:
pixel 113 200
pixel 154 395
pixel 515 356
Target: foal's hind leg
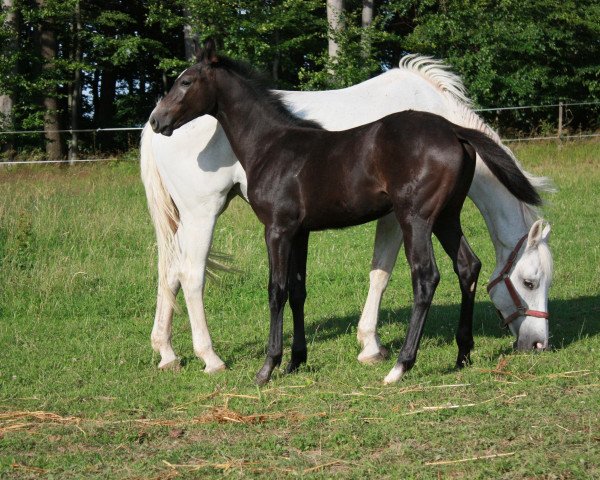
pixel 467 267
pixel 425 278
pixel 388 239
pixel 297 297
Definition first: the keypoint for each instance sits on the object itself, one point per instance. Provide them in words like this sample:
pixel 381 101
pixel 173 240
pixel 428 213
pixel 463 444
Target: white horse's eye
pixel 528 284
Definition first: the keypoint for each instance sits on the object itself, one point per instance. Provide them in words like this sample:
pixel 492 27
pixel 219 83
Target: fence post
pixel 498 122
pixel 73 147
pixel 560 119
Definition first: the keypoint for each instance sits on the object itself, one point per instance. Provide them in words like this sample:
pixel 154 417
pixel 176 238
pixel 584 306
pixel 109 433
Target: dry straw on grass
pixel 225 415
pixel 24 420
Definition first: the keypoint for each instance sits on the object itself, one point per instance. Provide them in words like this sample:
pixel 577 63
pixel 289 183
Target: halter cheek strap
pixel 504 276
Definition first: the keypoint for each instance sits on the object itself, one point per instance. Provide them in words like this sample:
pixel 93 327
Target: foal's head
pixel 193 94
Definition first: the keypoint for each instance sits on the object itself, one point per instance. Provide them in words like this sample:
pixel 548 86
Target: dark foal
pixel 303 178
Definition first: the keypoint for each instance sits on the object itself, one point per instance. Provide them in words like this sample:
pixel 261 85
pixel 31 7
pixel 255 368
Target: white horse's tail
pixel 440 75
pixel 163 212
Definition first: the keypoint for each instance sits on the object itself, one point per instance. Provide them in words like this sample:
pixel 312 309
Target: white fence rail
pixel 562 111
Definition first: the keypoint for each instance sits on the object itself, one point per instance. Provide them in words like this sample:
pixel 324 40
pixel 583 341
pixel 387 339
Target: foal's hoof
pixel 215 368
pixel 298 358
pixel 263 376
pixel 463 361
pixel 293 366
pixel 173 365
pixel 395 374
pixel 378 357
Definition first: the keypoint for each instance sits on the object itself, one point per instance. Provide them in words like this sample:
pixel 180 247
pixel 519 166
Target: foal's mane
pixel 260 85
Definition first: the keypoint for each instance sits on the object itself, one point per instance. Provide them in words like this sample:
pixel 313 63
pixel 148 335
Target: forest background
pixel 76 65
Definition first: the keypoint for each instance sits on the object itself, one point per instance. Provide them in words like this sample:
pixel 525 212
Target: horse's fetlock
pixel 157 342
pixel 203 351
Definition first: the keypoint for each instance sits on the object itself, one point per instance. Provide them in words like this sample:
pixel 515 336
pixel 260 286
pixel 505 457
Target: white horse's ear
pixel 546 233
pixel 535 234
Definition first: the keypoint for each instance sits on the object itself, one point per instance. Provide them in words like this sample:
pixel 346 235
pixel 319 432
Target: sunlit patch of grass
pixel 80 395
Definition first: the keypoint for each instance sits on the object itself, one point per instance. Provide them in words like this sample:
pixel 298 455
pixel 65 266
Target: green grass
pixel 77 293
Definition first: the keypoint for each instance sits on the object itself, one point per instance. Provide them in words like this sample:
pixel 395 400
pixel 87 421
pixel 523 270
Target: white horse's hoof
pixel 395 375
pixel 372 359
pixel 173 365
pixel 215 368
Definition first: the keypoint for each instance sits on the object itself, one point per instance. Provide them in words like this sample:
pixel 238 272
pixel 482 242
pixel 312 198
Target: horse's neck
pixel 247 120
pixel 504 215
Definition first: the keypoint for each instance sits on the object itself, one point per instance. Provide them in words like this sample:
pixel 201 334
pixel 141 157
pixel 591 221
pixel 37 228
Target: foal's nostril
pixel 154 123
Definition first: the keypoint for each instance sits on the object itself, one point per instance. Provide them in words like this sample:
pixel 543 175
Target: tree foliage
pixel 508 52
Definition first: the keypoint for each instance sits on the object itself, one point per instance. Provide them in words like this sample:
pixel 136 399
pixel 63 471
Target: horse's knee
pixel 278 294
pixel 430 279
pixel 191 279
pixel 297 297
pixel 426 284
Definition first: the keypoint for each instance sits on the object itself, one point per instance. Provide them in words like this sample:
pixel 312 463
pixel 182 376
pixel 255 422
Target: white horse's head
pixel 520 291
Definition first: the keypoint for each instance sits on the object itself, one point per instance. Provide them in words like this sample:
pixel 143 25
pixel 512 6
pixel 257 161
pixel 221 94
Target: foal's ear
pixel 208 54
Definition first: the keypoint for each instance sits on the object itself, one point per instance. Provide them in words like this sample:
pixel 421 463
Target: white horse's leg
pixel 195 241
pixel 163 321
pixel 388 239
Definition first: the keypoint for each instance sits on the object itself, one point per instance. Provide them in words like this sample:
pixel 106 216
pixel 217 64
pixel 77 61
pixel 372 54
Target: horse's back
pixel 392 91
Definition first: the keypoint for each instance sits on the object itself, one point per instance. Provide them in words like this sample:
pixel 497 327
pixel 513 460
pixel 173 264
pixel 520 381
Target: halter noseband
pixel 504 275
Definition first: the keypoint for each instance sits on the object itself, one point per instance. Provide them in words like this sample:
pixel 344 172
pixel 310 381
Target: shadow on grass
pixel 570 321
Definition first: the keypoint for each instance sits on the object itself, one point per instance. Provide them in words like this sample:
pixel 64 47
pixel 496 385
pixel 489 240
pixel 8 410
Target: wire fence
pixel 563 119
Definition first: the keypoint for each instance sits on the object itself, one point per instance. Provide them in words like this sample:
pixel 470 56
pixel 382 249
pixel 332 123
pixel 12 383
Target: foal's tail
pixel 501 164
pixel 163 212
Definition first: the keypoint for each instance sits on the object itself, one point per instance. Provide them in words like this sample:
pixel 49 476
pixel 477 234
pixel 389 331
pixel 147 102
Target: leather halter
pixel 504 276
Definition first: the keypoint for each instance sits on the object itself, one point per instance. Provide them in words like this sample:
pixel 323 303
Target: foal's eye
pixel 186 83
pixel 528 284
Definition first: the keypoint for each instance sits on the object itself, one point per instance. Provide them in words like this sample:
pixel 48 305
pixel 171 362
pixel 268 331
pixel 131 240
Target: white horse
pixel 191 176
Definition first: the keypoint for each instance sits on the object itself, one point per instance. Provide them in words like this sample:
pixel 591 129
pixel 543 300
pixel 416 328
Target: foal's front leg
pixel 279 244
pixel 297 289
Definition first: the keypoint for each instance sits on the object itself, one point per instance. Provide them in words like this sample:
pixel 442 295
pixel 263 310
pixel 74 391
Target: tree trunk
pixel 335 9
pixel 367 13
pixel 189 38
pixel 7 99
pixel 48 47
pixel 367 19
pixel 165 83
pixel 276 58
pixel 75 93
pixel 96 94
pixel 106 101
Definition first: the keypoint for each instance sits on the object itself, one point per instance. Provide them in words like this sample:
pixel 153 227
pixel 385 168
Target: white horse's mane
pixel 440 76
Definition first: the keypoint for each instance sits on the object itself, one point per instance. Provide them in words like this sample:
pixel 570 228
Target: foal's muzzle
pixel 156 125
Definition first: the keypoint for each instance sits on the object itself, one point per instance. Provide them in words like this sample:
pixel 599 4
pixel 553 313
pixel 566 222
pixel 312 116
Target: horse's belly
pixel 341 214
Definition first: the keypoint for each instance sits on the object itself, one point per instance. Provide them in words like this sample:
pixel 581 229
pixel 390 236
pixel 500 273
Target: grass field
pixel 80 395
